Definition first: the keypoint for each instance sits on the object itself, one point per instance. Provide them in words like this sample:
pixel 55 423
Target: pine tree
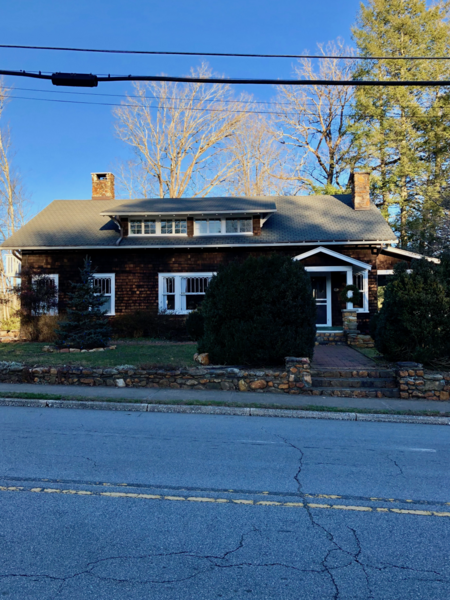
pixel 401 130
pixel 86 326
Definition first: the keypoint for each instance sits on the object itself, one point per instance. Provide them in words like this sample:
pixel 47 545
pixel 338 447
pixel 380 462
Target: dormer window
pixel 239 225
pixel 223 226
pixel 158 227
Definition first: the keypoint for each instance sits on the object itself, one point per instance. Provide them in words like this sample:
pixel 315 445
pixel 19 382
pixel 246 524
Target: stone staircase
pixel 353 383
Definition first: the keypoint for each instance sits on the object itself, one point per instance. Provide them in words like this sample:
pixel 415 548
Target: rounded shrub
pixel 414 320
pixel 258 312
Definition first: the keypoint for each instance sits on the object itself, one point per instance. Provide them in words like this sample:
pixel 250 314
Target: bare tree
pixel 178 133
pixel 12 197
pixel 263 166
pixel 314 119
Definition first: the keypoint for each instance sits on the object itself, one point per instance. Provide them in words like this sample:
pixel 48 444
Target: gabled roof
pixel 298 220
pixel 343 257
pixel 192 206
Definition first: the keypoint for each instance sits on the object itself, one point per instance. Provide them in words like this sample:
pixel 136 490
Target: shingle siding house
pixel 159 254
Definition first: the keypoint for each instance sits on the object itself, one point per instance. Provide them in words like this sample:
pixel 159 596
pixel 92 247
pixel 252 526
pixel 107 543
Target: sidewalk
pixel 244 399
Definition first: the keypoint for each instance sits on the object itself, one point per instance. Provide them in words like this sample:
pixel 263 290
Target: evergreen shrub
pixel 258 312
pixel 86 325
pixel 414 320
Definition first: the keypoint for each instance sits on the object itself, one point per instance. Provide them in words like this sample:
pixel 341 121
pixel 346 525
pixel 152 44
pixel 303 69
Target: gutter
pixel 203 246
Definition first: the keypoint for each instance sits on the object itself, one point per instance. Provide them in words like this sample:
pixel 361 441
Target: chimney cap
pixel 102 185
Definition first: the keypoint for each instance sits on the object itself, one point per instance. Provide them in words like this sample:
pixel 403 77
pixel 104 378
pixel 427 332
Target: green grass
pixel 243 404
pixel 164 355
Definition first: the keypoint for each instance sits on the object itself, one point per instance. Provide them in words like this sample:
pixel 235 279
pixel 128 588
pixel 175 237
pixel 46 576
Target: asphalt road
pixel 166 506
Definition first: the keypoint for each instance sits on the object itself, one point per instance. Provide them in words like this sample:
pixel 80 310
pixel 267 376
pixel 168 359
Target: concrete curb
pixel 224 410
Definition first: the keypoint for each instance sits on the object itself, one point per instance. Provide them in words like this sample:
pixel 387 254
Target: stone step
pixel 359 372
pixel 352 392
pixel 354 382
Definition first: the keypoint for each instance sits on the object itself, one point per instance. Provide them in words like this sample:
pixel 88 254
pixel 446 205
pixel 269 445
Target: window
pixel 42 307
pixel 361 281
pixel 154 227
pixel 106 284
pixel 182 292
pixel 207 226
pixel 239 226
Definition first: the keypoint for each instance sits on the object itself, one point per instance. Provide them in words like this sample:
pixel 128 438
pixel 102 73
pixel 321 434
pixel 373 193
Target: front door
pixel 321 295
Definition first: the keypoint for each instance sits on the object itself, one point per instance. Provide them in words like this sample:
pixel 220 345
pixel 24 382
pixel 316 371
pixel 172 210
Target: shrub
pixel 195 325
pixel 414 320
pixel 143 323
pixel 39 329
pixel 86 325
pixel 258 312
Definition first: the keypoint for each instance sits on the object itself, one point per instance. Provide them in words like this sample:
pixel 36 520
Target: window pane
pixel 149 227
pixel 194 301
pixel 232 226
pixel 180 227
pixel 201 226
pixel 215 226
pixel 166 227
pixel 194 285
pixel 169 302
pixel 107 304
pixel 102 285
pixel 169 285
pixel 245 225
pixel 136 227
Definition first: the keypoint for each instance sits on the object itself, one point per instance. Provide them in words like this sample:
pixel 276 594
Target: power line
pixel 195 99
pixel 218 54
pixel 157 107
pixel 89 80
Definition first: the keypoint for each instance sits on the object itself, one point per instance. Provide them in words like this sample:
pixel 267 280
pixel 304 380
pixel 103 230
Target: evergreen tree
pixel 402 132
pixel 86 326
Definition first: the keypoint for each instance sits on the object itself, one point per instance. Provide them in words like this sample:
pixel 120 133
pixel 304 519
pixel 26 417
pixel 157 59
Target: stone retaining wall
pixel 292 379
pixel 415 383
pixel 332 338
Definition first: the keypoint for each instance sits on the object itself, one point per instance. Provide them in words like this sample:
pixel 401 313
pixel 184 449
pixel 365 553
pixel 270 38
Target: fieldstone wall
pixel 292 379
pixel 352 335
pixel 333 338
pixel 415 383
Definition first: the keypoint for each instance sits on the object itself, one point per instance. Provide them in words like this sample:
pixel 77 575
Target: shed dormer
pixel 192 217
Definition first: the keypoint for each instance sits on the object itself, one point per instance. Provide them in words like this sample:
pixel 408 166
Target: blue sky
pixel 58 145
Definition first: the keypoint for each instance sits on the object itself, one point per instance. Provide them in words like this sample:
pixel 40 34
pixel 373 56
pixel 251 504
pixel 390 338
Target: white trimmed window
pixel 223 226
pixel 207 226
pixel 106 283
pixel 182 292
pixel 157 227
pixel 239 225
pixel 51 280
pixel 361 281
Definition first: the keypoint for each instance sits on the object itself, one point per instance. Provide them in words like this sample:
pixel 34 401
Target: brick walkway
pixel 340 356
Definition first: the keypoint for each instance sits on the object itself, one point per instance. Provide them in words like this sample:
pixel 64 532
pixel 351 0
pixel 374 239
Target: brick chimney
pixel 102 186
pixel 361 191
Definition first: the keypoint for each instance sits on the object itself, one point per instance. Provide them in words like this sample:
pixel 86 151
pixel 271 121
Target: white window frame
pixel 178 292
pixel 13 266
pixel 364 291
pixel 223 225
pixel 55 277
pixel 157 227
pixel 111 276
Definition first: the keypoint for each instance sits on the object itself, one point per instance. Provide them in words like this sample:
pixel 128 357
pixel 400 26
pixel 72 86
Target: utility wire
pixel 221 110
pixel 94 80
pixel 222 54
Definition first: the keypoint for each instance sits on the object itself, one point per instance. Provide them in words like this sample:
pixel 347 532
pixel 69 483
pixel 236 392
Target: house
pixel 159 254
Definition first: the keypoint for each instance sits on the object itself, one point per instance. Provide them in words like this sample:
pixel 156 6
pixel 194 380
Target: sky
pixel 58 145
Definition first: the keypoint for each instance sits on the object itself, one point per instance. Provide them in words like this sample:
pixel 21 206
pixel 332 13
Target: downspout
pixel 118 222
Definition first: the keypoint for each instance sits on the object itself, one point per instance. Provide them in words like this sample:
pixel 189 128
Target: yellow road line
pixel 343 507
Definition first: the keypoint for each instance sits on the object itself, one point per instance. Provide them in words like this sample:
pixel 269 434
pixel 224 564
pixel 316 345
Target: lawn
pixel 127 353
